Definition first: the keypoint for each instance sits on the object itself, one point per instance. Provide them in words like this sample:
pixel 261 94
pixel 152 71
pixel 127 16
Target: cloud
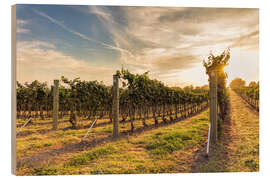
pixel 37 63
pixel 167 41
pixel 34 45
pixel 205 14
pixel 21 22
pixel 23 30
pixel 160 38
pixel 176 62
pixel 101 14
pixel 80 34
pixel 250 41
pixel 20 26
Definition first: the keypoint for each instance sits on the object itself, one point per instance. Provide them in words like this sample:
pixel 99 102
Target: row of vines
pixel 250 94
pixel 140 98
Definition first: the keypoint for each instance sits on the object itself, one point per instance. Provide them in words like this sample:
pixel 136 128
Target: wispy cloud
pixel 80 34
pixel 21 22
pixel 101 14
pixel 179 38
pixel 23 30
pixel 21 26
pixel 170 42
pixel 250 40
pixel 35 44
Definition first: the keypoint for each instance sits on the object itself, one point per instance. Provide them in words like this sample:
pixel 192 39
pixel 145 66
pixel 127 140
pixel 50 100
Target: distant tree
pixel 205 87
pixel 237 82
pixel 252 84
pixel 176 88
pixel 188 88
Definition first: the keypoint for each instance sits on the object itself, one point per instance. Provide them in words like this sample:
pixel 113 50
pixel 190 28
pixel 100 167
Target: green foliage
pixel 141 90
pixel 141 93
pixel 250 93
pixel 75 96
pixel 139 96
pixel 164 144
pixel 33 96
pixel 251 164
pixel 45 171
pixel 86 157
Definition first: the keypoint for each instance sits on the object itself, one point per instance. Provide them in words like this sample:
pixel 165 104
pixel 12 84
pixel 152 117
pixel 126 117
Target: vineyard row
pixel 139 97
pixel 250 94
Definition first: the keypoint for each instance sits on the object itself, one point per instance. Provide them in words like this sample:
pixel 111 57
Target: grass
pixel 84 158
pixel 29 144
pixel 168 149
pixel 35 142
pixel 45 171
pixel 163 144
pixel 155 151
pixel 238 147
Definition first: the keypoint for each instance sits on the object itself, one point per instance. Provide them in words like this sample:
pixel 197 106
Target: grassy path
pixel 238 148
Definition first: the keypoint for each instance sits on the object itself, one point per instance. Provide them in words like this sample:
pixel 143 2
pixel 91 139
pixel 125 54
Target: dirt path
pixel 238 147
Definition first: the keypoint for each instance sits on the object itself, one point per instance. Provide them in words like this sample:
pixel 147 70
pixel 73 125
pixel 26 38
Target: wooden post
pixel 55 104
pixel 115 106
pixel 213 107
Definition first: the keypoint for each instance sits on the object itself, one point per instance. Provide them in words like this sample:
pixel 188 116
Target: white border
pixel 264 82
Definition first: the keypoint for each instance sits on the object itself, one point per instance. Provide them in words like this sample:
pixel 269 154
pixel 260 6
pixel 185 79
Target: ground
pixel 172 148
pixel 238 147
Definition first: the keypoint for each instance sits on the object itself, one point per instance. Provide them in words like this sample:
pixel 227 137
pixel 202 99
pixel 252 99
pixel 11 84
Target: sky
pixel 92 42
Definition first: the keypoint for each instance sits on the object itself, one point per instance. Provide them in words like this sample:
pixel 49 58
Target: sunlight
pixel 243 63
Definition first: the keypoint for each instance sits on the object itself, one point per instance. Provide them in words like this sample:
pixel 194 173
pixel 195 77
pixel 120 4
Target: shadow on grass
pixel 44 131
pixel 61 120
pixel 218 158
pixel 48 156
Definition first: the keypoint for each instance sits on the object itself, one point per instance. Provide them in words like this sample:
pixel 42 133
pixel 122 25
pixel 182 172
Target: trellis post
pixel 55 103
pixel 213 107
pixel 115 106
